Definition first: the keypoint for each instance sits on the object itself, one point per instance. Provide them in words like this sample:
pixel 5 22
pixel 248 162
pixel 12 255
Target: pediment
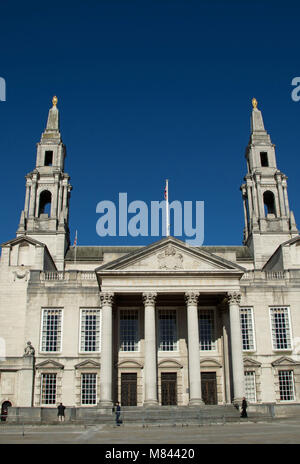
pixel 284 361
pixel 49 364
pixel 23 239
pixel 249 362
pixel 130 363
pixel 170 255
pixel 209 362
pixel 172 363
pixel 88 364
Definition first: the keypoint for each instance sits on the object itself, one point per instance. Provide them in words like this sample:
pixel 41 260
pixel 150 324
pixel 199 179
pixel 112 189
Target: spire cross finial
pixel 54 100
pixel 254 103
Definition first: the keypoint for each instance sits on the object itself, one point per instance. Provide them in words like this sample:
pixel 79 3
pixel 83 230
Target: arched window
pixel 45 203
pixel 269 202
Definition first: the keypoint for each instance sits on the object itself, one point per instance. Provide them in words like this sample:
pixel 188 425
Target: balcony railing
pixel 55 276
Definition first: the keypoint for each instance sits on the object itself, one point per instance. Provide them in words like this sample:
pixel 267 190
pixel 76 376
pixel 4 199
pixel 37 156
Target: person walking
pixel 244 408
pixel 118 414
pixel 61 412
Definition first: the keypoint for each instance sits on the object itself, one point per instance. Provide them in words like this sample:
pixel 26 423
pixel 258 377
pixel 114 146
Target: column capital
pixel 191 298
pixel 149 298
pixel 234 297
pixel 106 298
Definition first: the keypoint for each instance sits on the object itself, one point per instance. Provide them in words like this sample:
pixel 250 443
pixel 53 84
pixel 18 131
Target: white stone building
pixel 166 324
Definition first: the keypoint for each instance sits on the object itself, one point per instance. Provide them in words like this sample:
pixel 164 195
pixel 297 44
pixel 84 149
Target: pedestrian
pixel 61 412
pixel 4 412
pixel 244 408
pixel 118 413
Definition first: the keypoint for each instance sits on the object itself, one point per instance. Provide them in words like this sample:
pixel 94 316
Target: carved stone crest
pixel 170 258
pixel 29 350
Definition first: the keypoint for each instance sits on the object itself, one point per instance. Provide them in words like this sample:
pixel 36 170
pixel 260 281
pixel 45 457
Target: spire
pixel 258 132
pixel 52 129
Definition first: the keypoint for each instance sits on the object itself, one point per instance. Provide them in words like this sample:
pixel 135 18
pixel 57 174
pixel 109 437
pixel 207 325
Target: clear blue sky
pixel 148 90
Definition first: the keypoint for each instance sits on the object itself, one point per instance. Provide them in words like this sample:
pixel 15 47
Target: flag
pixel 166 190
pixel 75 241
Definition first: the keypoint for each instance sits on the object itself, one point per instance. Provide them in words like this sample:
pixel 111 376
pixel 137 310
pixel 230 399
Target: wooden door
pixel 168 388
pixel 209 387
pixel 129 389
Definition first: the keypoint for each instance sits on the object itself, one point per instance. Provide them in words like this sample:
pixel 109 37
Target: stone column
pixel 193 348
pixel 280 193
pixel 32 199
pixel 26 200
pixel 150 367
pixel 236 347
pixel 106 349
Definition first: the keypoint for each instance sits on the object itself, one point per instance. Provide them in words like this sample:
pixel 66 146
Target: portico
pixel 169 291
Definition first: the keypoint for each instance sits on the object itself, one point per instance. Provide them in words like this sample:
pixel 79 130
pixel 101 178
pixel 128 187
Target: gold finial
pixel 254 103
pixel 54 100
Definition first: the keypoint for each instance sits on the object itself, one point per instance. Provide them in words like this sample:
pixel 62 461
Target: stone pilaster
pixel 150 367
pixel 106 349
pixel 193 348
pixel 236 347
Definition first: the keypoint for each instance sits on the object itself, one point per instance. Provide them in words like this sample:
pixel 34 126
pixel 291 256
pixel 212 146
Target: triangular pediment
pixel 49 364
pixel 23 239
pixel 170 255
pixel 249 362
pixel 88 364
pixel 285 361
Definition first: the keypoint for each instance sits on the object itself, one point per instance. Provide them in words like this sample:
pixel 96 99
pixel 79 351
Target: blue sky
pixel 148 90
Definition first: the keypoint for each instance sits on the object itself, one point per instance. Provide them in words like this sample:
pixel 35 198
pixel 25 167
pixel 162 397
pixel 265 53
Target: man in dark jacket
pixel 61 412
pixel 118 413
pixel 244 408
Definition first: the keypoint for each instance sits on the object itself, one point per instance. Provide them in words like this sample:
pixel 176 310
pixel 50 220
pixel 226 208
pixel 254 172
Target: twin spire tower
pixel 46 211
pixel 268 219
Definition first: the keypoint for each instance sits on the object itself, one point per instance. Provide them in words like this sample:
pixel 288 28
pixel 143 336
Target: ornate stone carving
pixel 149 298
pixel 170 258
pixel 234 298
pixel 106 298
pixel 29 350
pixel 191 298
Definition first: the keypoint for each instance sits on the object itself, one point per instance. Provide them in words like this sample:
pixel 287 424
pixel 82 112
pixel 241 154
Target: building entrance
pixel 168 388
pixel 129 389
pixel 209 387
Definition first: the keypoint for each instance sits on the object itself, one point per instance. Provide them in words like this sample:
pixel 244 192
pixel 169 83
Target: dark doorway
pixel 4 410
pixel 209 387
pixel 168 388
pixel 128 389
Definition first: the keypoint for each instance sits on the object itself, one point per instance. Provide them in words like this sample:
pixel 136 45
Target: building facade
pixel 164 324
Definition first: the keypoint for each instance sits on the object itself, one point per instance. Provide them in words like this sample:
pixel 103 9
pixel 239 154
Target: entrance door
pixel 129 389
pixel 168 388
pixel 209 387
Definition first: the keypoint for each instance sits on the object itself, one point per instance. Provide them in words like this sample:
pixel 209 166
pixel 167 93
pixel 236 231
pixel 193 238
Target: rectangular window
pixel 280 325
pixel 48 158
pixel 129 330
pixel 264 159
pixel 247 329
pixel 286 385
pixel 250 386
pixel 48 389
pixel 206 321
pixel 51 330
pixel 88 389
pixel 167 327
pixel 90 330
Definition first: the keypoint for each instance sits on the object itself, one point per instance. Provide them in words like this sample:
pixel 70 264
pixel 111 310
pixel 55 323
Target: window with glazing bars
pixel 250 386
pixel 51 330
pixel 90 330
pixel 129 320
pixel 247 329
pixel 48 389
pixel 206 321
pixel 167 326
pixel 281 333
pixel 286 385
pixel 88 388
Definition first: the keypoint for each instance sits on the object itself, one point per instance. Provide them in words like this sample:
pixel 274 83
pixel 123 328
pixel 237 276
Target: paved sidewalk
pixel 280 432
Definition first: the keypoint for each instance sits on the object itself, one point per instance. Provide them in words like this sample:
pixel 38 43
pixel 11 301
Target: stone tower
pixel 46 211
pixel 268 218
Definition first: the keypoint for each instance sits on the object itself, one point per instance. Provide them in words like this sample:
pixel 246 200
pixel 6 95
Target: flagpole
pixel 167 209
pixel 75 243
